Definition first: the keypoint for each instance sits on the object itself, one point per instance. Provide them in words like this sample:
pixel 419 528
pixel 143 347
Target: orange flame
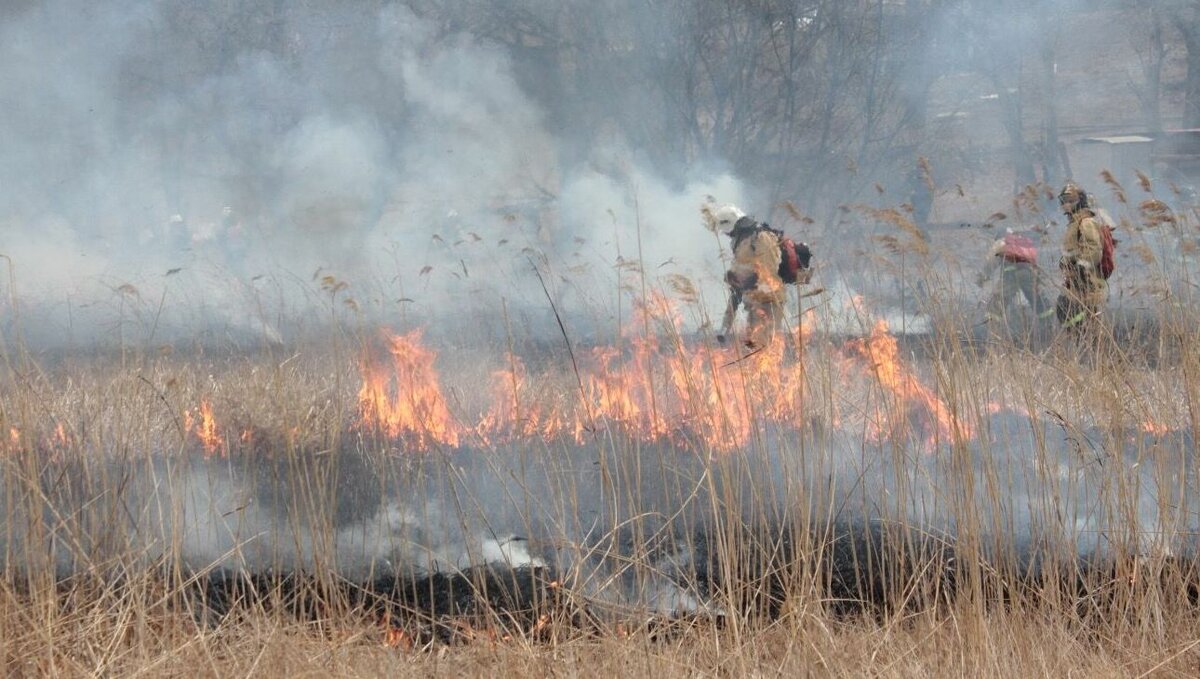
pixel 60 438
pixel 1156 428
pixel 407 402
pixel 205 429
pixel 394 637
pixel 882 350
pixel 622 391
pixel 655 390
pixel 768 280
pixel 653 387
pixel 516 413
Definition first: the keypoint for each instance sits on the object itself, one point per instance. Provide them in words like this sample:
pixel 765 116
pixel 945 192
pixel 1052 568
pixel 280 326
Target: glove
pixel 1082 263
pixel 722 339
pixel 980 280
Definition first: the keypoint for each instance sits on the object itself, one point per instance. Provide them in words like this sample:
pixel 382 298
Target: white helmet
pixel 724 218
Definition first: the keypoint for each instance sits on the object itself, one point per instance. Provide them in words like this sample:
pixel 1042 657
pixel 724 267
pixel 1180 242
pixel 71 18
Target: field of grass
pixel 832 506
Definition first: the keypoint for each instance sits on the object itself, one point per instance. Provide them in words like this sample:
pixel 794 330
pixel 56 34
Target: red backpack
pixel 1108 252
pixel 1019 248
pixel 794 259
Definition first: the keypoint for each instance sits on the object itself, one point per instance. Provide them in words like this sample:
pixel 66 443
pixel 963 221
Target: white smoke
pixel 374 147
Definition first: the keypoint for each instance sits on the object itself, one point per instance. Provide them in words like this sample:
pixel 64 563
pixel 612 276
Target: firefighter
pixel 1084 286
pixel 753 278
pixel 1015 256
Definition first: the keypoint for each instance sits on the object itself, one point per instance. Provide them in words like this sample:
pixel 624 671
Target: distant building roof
pixel 1119 139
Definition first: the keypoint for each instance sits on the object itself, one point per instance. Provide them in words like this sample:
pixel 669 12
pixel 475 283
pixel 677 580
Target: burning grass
pixel 661 504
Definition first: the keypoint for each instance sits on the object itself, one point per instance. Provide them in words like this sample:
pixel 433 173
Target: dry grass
pixel 128 610
pixel 127 639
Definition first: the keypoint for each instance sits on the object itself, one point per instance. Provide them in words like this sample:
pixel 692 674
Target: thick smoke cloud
pixel 432 167
pixel 369 145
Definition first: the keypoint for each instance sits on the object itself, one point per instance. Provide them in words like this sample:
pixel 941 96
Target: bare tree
pixel 815 99
pixel 1186 18
pixel 1150 46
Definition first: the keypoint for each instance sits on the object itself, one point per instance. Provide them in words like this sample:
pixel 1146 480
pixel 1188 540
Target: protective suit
pixel 1019 278
pixel 1084 288
pixel 753 278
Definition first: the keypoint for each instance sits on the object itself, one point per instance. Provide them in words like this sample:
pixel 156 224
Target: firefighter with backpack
pixel 764 262
pixel 1087 261
pixel 1015 255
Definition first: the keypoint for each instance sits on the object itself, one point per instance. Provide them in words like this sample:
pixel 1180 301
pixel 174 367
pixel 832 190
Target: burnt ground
pixel 860 570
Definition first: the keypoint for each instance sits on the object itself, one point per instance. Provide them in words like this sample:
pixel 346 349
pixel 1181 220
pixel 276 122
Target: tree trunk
pixel 1153 68
pixel 1013 121
pixel 1051 169
pixel 1191 88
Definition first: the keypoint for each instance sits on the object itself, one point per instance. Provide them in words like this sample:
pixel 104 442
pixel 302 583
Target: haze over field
pixel 432 154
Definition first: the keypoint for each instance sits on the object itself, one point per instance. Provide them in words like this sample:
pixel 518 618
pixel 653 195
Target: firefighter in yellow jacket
pixel 1084 287
pixel 753 278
